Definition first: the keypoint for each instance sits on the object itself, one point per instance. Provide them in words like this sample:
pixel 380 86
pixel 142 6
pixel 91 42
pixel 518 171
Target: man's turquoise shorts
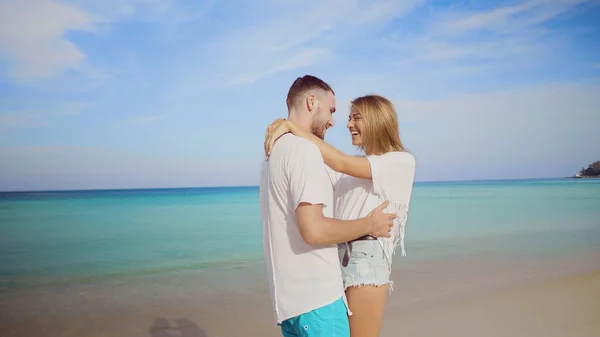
pixel 328 321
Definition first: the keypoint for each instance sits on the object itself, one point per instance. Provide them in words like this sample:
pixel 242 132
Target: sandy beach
pixel 563 306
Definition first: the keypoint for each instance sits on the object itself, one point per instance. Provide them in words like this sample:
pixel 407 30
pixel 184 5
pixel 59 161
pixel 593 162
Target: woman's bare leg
pixel 367 304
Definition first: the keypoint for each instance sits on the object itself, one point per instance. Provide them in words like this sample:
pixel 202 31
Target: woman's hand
pixel 277 129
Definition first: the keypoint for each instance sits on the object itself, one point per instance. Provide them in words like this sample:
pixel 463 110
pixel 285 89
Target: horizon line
pixel 247 186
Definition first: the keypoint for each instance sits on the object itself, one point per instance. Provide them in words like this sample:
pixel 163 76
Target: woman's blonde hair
pixel 380 133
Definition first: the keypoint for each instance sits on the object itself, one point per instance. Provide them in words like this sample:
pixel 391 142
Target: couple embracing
pixel 331 221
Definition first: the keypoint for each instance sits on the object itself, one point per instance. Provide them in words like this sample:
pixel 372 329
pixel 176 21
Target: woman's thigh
pixel 366 278
pixel 367 304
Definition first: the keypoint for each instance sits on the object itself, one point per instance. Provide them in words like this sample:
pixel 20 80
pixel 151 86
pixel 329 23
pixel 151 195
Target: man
pixel 299 233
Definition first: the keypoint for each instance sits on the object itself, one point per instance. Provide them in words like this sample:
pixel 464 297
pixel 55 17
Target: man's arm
pixel 308 180
pixel 317 229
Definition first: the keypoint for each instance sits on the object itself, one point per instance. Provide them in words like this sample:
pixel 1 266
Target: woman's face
pixel 355 126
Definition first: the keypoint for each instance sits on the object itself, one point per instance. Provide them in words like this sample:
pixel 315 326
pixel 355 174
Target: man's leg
pixel 328 321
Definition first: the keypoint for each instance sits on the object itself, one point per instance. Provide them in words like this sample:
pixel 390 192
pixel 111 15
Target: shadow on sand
pixel 183 328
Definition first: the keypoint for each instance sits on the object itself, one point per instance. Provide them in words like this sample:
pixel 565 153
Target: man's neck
pixel 297 118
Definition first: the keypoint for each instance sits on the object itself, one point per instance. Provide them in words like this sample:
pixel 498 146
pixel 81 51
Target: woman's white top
pixel 392 180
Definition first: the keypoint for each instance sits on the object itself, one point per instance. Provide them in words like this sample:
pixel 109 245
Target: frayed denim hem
pixel 390 285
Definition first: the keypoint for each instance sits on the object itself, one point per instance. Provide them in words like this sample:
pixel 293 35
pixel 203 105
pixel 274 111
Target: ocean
pixel 141 242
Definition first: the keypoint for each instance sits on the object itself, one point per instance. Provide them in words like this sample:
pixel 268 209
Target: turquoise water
pixel 58 238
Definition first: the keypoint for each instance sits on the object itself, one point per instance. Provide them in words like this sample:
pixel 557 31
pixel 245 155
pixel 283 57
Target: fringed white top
pixel 392 180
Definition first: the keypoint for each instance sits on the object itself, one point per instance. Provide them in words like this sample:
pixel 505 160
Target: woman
pixel 361 184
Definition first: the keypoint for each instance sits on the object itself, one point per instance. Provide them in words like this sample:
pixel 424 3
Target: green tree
pixel 593 170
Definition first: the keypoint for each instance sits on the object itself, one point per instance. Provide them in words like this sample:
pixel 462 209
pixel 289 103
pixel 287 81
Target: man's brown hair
pixel 303 84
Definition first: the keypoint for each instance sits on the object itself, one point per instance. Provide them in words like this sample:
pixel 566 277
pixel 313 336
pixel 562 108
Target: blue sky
pixel 165 93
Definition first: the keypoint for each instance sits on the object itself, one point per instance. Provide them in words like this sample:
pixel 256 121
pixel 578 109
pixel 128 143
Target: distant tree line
pixel 593 170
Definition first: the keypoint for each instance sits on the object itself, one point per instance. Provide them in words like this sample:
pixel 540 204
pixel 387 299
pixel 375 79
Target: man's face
pixel 323 116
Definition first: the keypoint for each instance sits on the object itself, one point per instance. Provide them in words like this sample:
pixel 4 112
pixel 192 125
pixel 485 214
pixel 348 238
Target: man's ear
pixel 311 103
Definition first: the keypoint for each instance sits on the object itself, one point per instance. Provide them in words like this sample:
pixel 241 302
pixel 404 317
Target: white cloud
pixel 32 33
pixel 293 35
pixel 492 39
pixel 493 18
pixel 108 10
pixel 509 18
pixel 302 59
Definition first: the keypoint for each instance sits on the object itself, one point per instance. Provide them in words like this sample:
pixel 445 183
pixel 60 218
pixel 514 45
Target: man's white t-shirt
pixel 392 180
pixel 301 277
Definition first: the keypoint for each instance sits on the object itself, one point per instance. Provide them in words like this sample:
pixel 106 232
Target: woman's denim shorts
pixel 367 264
